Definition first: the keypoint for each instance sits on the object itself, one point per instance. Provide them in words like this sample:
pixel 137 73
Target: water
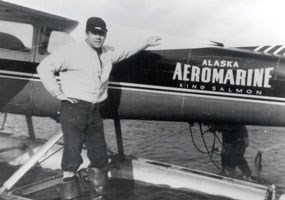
pixel 171 142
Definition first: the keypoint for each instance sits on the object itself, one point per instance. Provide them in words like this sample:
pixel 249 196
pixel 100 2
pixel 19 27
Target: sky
pixel 180 23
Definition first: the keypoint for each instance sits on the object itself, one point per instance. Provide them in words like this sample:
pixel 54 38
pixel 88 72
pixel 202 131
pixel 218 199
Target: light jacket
pixel 83 73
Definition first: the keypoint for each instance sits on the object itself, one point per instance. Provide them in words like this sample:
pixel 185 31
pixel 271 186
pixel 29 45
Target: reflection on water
pixel 171 142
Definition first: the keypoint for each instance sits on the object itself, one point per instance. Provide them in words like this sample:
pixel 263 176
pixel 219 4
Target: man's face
pixel 96 39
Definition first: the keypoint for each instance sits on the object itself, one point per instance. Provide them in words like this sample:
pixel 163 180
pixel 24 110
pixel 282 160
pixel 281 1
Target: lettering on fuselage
pixel 223 76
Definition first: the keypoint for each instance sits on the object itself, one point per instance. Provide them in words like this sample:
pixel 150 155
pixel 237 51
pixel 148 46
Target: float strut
pixel 4 121
pixel 30 163
pixel 30 125
pixel 119 137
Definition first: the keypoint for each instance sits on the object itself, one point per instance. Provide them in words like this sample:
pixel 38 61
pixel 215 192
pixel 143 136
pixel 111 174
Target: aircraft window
pixel 45 35
pixel 52 39
pixel 16 36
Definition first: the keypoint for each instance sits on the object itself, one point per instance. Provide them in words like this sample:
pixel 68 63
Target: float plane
pixel 212 84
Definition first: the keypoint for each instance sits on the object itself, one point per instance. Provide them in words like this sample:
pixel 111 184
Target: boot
pixel 97 183
pixel 70 188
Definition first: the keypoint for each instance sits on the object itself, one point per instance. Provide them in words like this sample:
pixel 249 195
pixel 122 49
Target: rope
pixel 258 157
pixel 213 149
pixel 205 144
pixel 258 160
pixel 273 147
pixel 195 145
pixel 214 142
pixel 49 156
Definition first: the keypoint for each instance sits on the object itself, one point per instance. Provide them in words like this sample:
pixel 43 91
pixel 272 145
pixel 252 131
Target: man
pixel 84 72
pixel 235 142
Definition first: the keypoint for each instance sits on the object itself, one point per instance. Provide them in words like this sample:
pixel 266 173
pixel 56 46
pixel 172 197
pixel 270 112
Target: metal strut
pixel 119 138
pixel 4 122
pixel 30 163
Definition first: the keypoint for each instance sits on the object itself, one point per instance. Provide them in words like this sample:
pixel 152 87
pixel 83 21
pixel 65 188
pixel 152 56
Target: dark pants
pixel 233 156
pixel 81 123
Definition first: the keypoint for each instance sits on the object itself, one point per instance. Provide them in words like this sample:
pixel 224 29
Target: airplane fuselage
pixel 211 84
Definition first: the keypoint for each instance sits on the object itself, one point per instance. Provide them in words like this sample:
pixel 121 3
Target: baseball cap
pixel 95 25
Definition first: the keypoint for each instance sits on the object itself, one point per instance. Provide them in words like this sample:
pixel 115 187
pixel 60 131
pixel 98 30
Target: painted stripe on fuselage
pixel 19 75
pixel 196 93
pixel 192 91
pixel 163 90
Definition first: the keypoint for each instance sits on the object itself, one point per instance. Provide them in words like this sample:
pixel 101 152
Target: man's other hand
pixel 153 41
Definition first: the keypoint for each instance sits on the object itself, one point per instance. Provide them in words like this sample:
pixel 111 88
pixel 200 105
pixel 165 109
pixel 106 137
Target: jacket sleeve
pixel 47 69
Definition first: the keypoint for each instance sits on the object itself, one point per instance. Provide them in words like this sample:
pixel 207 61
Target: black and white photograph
pixel 142 100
